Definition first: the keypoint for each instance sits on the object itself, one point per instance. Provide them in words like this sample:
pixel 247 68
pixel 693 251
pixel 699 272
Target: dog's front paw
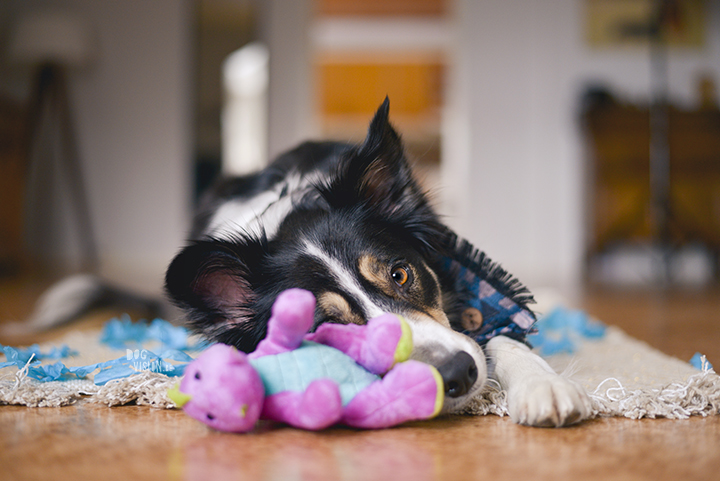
pixel 548 401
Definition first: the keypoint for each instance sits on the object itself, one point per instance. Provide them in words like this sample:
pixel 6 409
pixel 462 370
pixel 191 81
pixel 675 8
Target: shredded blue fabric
pixel 123 333
pixel 559 331
pixel 145 361
pixel 697 362
pixel 109 370
pixel 118 334
pixel 24 354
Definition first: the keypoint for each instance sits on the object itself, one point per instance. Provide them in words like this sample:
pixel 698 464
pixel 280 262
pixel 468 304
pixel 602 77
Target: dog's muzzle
pixel 459 374
pixel 458 359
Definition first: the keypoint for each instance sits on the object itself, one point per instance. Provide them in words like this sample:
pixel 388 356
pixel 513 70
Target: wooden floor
pixel 136 443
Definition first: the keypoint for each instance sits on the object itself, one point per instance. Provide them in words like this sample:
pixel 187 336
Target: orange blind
pixel 358 88
pixel 382 7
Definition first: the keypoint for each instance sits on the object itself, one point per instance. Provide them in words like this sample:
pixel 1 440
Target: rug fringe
pixel 147 388
pixel 699 395
pixel 20 389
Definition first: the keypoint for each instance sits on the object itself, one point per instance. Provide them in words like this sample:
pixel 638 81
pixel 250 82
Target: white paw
pixel 548 400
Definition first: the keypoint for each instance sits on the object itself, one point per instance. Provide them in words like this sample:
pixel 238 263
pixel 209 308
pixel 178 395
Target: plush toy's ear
pixel 212 281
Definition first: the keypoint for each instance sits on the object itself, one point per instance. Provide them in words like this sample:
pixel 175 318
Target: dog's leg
pixel 536 395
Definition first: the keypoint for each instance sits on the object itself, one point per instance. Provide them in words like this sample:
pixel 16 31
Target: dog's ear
pixel 211 280
pixel 379 167
pixel 377 175
pixel 377 171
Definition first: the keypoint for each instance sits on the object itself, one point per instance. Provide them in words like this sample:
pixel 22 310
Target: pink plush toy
pixel 312 381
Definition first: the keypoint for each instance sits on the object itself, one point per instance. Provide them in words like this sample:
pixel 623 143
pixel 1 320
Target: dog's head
pixel 364 241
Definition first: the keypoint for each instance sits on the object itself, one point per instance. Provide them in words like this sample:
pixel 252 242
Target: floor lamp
pixel 52 43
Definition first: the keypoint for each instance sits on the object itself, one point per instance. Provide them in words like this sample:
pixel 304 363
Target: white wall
pixel 285 28
pixel 513 152
pixel 134 119
pixel 132 111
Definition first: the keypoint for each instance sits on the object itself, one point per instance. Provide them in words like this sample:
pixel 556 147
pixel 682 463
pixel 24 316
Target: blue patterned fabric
pixel 501 316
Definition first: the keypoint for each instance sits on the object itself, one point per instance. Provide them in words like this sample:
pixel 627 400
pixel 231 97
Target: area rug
pixel 138 362
pixel 622 375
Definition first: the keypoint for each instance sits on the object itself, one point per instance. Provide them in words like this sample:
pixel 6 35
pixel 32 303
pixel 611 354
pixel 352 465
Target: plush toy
pixel 312 381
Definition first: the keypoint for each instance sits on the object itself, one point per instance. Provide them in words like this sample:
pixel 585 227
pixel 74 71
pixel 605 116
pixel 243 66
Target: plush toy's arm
pixel 292 316
pixel 348 338
pixel 377 346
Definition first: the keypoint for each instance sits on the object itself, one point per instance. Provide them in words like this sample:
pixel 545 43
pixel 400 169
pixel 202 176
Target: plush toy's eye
pixel 197 375
pixel 400 274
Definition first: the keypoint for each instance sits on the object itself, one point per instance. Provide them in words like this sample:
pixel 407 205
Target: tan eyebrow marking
pixel 373 271
pixel 336 306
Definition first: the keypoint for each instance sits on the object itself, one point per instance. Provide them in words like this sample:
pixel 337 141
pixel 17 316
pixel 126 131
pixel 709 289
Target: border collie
pixel 352 225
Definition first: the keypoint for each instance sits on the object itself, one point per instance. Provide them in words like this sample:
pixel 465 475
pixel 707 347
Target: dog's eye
pixel 401 275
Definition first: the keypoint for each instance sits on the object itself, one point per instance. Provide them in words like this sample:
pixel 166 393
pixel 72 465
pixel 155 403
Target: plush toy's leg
pixel 377 346
pixel 410 391
pixel 292 317
pixel 318 407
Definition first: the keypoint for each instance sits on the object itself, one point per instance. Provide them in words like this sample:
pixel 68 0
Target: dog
pixel 350 224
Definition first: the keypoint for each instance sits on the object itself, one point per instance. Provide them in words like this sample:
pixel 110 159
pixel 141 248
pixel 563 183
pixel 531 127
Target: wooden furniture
pixel 618 138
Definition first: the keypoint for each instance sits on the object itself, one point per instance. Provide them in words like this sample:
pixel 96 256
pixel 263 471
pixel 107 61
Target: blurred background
pixel 575 141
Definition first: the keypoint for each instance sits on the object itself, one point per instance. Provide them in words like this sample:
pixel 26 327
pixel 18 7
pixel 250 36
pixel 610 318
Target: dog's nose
pixel 459 374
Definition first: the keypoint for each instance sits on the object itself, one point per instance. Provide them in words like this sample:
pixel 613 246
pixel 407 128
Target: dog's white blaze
pixel 263 212
pixel 346 279
pixel 430 333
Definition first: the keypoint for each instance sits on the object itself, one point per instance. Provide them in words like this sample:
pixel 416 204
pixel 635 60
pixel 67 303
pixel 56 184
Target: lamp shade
pixel 52 36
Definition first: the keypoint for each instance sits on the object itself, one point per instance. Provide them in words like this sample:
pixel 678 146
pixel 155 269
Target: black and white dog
pixel 351 225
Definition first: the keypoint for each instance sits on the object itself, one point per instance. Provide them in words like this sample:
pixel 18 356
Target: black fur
pixel 367 202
